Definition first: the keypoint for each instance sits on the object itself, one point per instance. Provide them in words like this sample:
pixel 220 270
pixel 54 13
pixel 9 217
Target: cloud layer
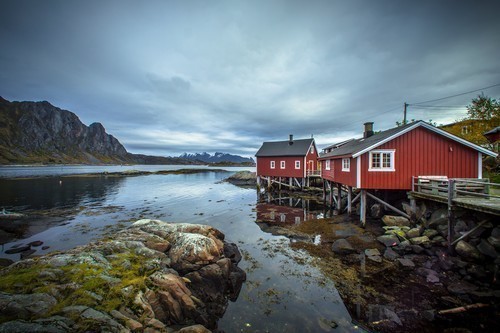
pixel 166 77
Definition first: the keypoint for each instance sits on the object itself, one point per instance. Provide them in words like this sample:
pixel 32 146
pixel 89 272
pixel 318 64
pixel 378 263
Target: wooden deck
pixel 473 194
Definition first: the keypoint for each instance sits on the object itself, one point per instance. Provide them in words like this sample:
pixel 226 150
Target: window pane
pixel 376 160
pixel 386 163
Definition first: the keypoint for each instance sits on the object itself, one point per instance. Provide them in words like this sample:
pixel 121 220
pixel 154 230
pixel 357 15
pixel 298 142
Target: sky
pixel 167 77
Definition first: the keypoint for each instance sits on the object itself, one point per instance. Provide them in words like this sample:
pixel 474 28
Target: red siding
pixel 264 166
pixel 312 159
pixel 421 153
pixel 336 174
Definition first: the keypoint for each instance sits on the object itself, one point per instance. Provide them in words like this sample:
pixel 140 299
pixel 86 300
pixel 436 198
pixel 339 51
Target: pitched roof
pixel 493 131
pixel 284 148
pixel 358 147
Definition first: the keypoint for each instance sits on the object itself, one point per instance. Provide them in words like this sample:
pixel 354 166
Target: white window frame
pixel 346 164
pixel 273 165
pixel 381 153
pixel 327 165
pixel 282 164
pixel 297 165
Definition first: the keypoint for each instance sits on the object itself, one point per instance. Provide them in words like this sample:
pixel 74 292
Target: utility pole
pixel 404 117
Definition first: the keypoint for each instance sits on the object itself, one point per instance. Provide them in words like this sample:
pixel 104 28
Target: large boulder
pixel 467 251
pixel 399 221
pixel 342 246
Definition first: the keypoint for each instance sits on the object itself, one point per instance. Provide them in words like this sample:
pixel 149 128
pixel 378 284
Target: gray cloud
pixel 166 77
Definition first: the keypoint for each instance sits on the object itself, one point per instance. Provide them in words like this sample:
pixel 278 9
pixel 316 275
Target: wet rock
pixel 232 252
pixel 26 254
pixel 487 249
pixel 36 243
pixel 377 259
pixel 413 233
pixel 194 329
pixel 430 233
pixel 390 254
pixel 372 252
pixel 382 312
pixel 438 217
pixel 467 251
pixel 443 230
pixel 5 262
pixel 494 241
pixel 342 246
pixel 422 240
pixel 430 275
pixel 25 306
pixel 417 249
pixel 45 247
pixel 405 263
pixel 55 324
pixel 388 240
pixel 18 249
pixel 189 251
pixel 376 211
pixel 461 287
pixel 391 220
pixel 130 323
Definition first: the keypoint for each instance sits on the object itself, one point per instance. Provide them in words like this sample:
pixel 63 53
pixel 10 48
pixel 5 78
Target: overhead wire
pixel 461 94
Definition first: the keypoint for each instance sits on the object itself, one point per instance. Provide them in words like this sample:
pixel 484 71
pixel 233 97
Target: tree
pixel 486 109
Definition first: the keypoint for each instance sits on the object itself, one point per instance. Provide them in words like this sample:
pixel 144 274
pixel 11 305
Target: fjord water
pixel 283 292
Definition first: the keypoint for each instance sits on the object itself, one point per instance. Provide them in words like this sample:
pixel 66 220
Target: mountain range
pixel 39 132
pixel 217 158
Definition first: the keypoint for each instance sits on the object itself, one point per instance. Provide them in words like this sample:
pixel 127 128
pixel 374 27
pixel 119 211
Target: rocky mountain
pixel 38 132
pixel 217 158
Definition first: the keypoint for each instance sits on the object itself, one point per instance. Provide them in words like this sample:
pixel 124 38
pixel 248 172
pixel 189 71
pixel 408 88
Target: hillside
pixel 38 132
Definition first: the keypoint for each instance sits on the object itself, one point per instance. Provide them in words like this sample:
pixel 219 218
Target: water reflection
pixel 283 208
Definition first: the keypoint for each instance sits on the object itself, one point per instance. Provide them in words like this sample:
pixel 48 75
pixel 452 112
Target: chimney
pixel 368 129
pixel 290 141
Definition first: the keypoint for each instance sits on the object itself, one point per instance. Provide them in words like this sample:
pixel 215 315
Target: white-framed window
pixel 282 164
pixel 381 160
pixel 273 164
pixel 327 165
pixel 312 149
pixel 346 164
pixel 297 164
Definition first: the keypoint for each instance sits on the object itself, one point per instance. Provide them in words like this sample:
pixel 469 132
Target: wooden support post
pixel 349 200
pixel 331 195
pixel 451 191
pixel 362 215
pixel 279 184
pixel 339 195
pixel 413 207
pixel 290 182
pixel 324 191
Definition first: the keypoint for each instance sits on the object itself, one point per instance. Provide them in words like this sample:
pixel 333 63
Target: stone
pixel 461 287
pixel 430 233
pixel 377 259
pixel 191 250
pixel 413 233
pixel 372 252
pixel 442 230
pixel 429 315
pixel 342 246
pixel 36 243
pixel 467 251
pixel 26 306
pixel 4 262
pixel 417 249
pixel 18 249
pixel 429 274
pixel 487 249
pixel 438 217
pixel 26 254
pixel 388 240
pixel 382 312
pixel 391 220
pixel 232 252
pixel 194 329
pixel 495 232
pixel 390 254
pixel 55 324
pixel 405 263
pixel 460 227
pixel 495 241
pixel 422 240
pixel 376 211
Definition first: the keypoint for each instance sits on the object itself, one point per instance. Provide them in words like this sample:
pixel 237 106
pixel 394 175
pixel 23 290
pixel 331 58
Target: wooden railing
pixel 310 173
pixel 456 187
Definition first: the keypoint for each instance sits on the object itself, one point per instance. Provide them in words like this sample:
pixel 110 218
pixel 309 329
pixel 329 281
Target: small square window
pixel 327 165
pixel 273 165
pixel 297 164
pixel 282 165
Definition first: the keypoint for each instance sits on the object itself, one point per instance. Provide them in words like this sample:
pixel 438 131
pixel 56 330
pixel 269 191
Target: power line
pixel 464 93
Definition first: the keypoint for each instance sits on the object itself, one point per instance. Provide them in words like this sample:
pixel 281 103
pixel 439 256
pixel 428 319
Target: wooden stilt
pixel 349 200
pixel 451 218
pixel 279 184
pixel 362 215
pixel 331 195
pixel 339 197
pixel 324 191
pixel 413 207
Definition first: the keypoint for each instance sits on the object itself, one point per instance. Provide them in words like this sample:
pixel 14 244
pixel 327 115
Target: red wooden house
pixel 290 163
pixel 389 159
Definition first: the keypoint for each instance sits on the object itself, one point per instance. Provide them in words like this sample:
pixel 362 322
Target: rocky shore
pixel 152 277
pixel 397 277
pixel 242 178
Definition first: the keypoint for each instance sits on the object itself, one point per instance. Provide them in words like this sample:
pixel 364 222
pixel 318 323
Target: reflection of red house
pixel 389 159
pixel 289 163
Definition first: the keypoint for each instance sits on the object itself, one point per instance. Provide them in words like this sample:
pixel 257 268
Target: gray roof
pixel 358 147
pixel 493 131
pixel 284 148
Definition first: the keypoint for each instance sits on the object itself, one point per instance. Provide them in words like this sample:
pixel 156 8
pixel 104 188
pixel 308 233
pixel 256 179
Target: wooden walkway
pixel 473 194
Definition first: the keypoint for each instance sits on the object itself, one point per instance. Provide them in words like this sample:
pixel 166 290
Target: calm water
pixel 283 293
